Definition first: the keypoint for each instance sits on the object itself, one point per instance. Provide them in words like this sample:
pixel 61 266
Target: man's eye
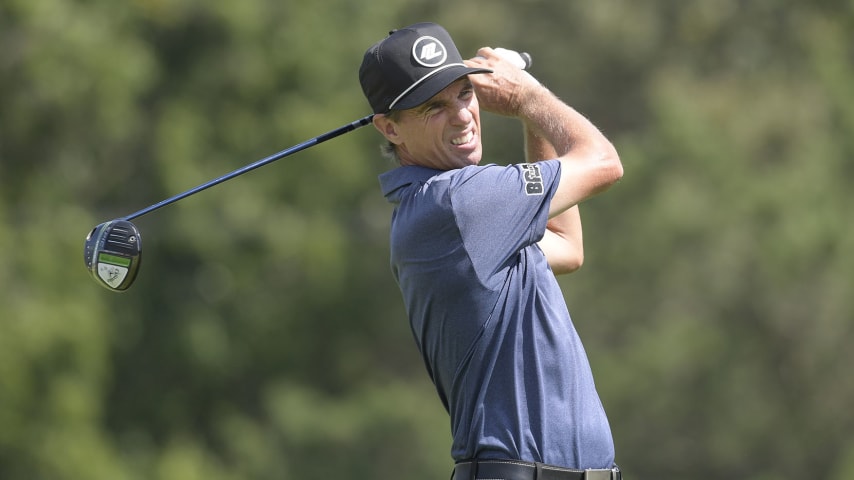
pixel 431 109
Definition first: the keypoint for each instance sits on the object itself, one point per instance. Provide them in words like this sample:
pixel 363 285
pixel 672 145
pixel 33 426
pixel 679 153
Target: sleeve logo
pixel 532 178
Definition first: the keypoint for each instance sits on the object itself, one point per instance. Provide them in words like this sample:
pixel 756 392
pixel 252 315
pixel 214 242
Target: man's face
pixel 442 133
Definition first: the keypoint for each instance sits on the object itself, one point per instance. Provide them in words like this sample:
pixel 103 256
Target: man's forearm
pixel 552 125
pixel 589 162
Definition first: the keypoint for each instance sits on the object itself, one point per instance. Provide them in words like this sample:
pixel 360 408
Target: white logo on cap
pixel 429 52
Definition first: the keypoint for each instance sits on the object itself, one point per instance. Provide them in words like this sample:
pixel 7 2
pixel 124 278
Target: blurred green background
pixel 265 338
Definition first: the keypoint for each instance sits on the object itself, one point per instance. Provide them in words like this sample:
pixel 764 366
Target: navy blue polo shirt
pixel 489 317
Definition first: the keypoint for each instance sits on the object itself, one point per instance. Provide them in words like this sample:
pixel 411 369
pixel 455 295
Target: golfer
pixel 475 248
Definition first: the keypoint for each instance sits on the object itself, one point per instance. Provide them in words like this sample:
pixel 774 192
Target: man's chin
pixel 468 161
pixel 471 158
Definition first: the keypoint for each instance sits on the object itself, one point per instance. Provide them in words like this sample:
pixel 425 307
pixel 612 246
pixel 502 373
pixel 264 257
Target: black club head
pixel 113 253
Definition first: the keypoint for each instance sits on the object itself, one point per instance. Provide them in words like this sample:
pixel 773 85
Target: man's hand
pixel 502 92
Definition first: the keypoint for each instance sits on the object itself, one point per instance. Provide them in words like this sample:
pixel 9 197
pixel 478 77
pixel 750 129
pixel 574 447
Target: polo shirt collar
pixel 393 181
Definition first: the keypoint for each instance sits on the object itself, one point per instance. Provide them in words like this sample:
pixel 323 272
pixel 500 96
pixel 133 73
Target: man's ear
pixel 387 127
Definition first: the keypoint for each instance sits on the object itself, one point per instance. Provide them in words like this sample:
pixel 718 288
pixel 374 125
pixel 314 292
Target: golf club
pixel 113 250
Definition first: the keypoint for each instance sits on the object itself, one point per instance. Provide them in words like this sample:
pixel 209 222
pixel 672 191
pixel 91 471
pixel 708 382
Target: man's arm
pixel 589 162
pixel 562 243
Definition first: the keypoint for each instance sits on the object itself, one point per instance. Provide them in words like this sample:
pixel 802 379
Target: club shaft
pixel 252 166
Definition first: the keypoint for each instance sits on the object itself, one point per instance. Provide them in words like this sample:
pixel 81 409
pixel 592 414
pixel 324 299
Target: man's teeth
pixel 464 139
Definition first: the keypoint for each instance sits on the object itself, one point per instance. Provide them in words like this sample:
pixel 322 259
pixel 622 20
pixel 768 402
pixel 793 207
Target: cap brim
pixel 433 85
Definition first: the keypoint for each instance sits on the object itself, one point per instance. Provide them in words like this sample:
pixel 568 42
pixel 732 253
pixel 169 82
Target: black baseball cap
pixel 410 66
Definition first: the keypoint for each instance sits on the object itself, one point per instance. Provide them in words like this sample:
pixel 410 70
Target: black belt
pixel 518 470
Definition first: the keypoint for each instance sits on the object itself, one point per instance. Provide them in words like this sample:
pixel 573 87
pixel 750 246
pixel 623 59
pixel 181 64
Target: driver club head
pixel 113 252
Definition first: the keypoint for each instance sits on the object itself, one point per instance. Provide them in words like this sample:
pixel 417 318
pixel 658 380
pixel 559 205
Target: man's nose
pixel 463 115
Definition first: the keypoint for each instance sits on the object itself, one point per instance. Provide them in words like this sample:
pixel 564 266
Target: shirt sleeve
pixel 500 210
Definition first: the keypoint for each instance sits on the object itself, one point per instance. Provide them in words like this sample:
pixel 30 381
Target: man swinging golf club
pixel 475 250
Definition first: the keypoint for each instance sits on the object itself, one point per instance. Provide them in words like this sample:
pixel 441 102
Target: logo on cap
pixel 429 52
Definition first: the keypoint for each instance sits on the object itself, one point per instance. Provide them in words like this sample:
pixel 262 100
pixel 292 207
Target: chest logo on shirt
pixel 532 178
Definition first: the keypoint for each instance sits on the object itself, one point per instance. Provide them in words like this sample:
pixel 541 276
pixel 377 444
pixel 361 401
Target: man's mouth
pixel 463 139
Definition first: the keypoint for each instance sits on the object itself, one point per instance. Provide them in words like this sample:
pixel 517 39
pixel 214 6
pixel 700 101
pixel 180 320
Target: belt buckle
pixel 598 474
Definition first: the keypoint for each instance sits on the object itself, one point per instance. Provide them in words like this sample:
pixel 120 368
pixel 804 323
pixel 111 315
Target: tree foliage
pixel 265 337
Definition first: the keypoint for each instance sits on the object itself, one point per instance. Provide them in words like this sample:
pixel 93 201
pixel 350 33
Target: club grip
pixel 520 59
